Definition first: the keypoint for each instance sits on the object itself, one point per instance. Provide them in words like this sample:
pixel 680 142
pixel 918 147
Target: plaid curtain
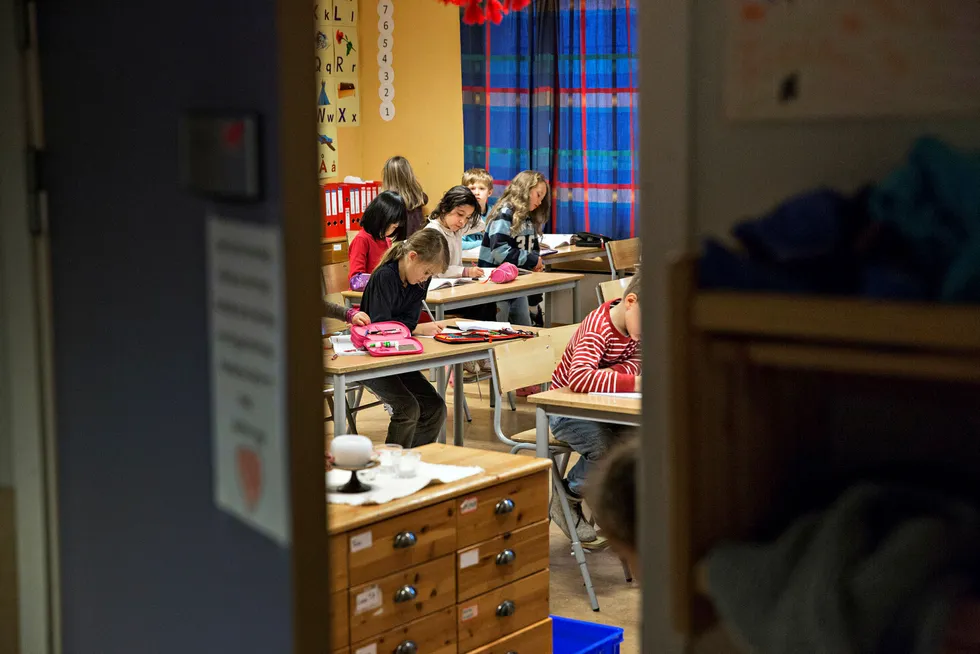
pixel 525 83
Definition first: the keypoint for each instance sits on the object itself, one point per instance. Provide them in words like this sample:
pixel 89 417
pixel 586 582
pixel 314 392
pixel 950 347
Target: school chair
pixel 623 255
pixel 611 290
pixel 516 364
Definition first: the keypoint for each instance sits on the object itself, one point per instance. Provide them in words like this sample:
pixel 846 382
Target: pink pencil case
pixel 385 339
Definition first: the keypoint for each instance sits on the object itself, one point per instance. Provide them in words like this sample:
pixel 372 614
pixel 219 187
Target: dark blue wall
pixel 148 564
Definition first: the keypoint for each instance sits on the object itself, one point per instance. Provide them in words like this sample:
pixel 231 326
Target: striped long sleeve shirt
pixel 599 359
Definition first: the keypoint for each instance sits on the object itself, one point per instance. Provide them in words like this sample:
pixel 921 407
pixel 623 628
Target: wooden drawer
pixel 401 542
pixel 504 559
pixel 338 563
pixel 502 612
pixel 502 508
pixel 434 634
pixel 346 650
pixel 339 630
pixel 386 603
pixel 534 639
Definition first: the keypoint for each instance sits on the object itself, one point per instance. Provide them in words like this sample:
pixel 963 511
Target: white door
pixel 26 415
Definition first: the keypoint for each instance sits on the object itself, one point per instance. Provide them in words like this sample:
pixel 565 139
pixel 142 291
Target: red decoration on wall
pixel 479 11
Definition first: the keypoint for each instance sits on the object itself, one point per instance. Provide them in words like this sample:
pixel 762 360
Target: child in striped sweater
pixel 602 357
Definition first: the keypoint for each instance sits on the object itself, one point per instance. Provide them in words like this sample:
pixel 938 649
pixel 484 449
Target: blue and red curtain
pixel 554 88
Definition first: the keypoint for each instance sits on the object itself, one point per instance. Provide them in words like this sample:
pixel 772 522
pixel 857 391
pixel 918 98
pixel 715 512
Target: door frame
pixel 26 338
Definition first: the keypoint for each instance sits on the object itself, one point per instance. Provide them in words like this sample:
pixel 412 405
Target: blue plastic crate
pixel 575 637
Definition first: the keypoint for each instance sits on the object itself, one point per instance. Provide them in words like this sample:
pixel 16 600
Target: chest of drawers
pixel 455 568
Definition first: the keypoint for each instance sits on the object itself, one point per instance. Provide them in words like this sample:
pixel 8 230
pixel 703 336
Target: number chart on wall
pixel 337 58
pixel 851 58
pixel 386 71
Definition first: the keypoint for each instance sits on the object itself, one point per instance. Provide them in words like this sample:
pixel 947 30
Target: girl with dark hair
pixel 382 218
pixel 456 215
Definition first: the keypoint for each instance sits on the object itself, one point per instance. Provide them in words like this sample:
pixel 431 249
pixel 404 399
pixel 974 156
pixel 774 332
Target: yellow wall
pixel 428 125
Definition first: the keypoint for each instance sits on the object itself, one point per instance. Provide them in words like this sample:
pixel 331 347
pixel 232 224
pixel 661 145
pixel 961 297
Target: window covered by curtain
pixel 553 88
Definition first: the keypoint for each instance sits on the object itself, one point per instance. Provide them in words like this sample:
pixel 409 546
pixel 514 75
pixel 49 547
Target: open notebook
pixel 449 282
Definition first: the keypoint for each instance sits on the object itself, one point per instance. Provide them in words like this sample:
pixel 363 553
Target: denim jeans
pixel 590 439
pixel 516 312
pixel 418 411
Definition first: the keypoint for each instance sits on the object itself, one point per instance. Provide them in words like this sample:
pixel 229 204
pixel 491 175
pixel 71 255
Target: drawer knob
pixel 506 609
pixel 405 540
pixel 506 557
pixel 408 647
pixel 405 594
pixel 504 506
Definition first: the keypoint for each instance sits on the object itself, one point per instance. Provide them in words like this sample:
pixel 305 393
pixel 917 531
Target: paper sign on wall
pixel 247 375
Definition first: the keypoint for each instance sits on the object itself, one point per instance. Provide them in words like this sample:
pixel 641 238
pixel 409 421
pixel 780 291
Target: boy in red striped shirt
pixel 602 357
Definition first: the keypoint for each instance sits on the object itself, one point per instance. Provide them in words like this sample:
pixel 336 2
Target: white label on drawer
pixel 468 505
pixel 469 613
pixel 469 558
pixel 368 600
pixel 336 247
pixel 361 542
pixel 368 649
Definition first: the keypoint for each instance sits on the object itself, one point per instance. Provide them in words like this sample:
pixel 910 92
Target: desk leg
pixel 440 313
pixel 576 304
pixel 541 433
pixel 549 307
pixel 441 384
pixel 458 408
pixel 339 405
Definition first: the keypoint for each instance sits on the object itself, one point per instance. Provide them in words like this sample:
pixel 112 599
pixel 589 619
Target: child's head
pixel 457 208
pixel 528 197
pixel 480 182
pixel 612 495
pixel 422 255
pixel 399 177
pixel 384 215
pixel 631 305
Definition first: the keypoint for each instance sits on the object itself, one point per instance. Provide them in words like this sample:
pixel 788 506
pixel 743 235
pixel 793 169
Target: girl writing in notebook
pixel 456 215
pixel 395 293
pixel 512 236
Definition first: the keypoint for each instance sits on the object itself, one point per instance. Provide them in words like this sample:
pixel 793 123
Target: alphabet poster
pixel 348 101
pixel 847 58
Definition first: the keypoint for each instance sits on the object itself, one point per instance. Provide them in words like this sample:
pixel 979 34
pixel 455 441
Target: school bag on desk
pixel 590 240
pixel 385 339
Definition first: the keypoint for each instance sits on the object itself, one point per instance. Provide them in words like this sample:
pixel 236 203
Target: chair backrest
pixel 336 277
pixel 613 289
pixel 560 336
pixel 523 363
pixel 625 254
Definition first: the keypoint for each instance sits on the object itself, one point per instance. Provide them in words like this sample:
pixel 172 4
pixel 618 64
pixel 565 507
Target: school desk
pixel 564 254
pixel 343 370
pixel 459 567
pixel 564 403
pixel 445 300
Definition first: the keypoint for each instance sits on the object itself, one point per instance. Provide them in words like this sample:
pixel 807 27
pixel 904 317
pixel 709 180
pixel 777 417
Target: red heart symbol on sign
pixel 249 475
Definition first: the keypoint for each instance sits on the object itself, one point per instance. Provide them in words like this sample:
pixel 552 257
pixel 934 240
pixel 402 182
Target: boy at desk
pixel 603 356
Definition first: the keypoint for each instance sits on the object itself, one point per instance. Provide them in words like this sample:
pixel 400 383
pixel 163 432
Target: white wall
pixel 743 169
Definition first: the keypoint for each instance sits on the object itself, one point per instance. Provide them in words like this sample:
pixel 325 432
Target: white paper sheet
pixel 248 392
pixel 343 346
